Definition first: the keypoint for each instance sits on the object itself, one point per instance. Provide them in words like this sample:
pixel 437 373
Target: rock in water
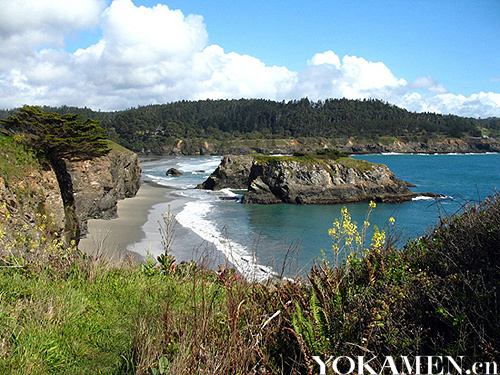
pixel 174 172
pixel 308 178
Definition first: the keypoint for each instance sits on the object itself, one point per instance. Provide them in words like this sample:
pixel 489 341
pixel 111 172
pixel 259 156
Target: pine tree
pixel 55 136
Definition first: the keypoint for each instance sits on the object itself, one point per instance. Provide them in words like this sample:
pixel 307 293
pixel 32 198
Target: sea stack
pixel 321 177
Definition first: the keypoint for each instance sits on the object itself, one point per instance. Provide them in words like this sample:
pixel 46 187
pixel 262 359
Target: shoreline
pixel 135 231
pixel 113 237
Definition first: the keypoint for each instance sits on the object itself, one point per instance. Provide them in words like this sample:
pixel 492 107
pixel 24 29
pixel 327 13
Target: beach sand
pixel 136 230
pixel 111 238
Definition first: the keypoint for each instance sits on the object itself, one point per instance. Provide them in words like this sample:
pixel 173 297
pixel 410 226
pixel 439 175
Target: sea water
pixel 287 239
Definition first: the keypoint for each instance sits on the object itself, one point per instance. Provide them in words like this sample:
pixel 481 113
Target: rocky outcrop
pixel 431 146
pixel 346 145
pixel 303 180
pixel 100 182
pixel 233 172
pixel 34 199
pixel 173 172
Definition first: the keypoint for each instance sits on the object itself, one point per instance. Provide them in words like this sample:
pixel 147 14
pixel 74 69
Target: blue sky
pixel 456 42
pixel 438 55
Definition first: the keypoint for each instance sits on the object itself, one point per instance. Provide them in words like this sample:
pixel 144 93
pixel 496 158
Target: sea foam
pixel 194 217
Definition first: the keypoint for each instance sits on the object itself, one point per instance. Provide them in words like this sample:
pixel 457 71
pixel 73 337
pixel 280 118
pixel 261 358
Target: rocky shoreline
pixel 347 145
pixel 307 180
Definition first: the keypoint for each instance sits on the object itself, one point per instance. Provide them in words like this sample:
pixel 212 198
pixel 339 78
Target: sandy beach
pixel 136 230
pixel 113 237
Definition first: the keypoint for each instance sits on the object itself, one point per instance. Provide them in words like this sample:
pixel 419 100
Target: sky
pixel 424 55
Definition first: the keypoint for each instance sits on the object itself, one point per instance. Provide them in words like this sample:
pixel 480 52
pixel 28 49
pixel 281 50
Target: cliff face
pixel 99 183
pixel 233 172
pixel 431 146
pixel 31 195
pixel 30 200
pixel 305 181
pixel 346 145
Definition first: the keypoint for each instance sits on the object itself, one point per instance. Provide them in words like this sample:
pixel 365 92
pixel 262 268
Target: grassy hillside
pixel 15 160
pixel 65 313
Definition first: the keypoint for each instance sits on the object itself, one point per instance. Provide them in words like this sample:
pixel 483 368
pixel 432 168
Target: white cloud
pixel 328 57
pixel 476 105
pixel 354 77
pixel 32 23
pixel 156 55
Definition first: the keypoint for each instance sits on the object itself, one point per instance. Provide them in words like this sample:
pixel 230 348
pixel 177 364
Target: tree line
pixel 149 127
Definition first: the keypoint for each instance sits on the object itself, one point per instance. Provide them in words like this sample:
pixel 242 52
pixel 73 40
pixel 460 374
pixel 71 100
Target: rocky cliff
pixel 308 180
pixel 99 183
pixel 346 145
pixel 431 146
pixel 31 195
pixel 30 200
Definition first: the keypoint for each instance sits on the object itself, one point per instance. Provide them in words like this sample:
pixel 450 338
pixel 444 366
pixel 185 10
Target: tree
pixel 55 136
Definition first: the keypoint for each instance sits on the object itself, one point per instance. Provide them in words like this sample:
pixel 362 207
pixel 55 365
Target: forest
pixel 150 127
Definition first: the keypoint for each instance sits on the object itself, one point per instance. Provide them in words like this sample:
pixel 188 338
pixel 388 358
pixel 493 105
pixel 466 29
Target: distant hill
pixel 153 126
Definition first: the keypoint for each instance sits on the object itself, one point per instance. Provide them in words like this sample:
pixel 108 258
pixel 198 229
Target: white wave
pixel 193 216
pixel 424 198
pixel 199 164
pixel 167 181
pixel 228 192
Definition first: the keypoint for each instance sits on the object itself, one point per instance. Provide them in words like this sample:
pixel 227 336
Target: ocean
pixel 284 239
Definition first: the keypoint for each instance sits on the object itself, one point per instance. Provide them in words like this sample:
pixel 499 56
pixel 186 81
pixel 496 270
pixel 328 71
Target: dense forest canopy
pixel 148 127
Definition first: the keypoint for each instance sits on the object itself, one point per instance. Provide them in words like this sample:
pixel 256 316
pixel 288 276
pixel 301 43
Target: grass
pixel 78 324
pixel 62 312
pixel 319 156
pixel 15 160
pixel 115 147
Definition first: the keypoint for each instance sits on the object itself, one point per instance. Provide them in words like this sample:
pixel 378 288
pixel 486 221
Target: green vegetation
pixel 14 159
pixel 54 137
pixel 63 312
pixel 319 156
pixel 312 156
pixel 153 127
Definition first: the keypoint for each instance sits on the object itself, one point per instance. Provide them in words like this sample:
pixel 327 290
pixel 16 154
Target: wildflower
pixel 373 204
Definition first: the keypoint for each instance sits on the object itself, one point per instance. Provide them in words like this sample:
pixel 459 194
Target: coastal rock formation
pixel 174 172
pixel 346 145
pixel 308 180
pixel 100 182
pixel 29 200
pixel 431 146
pixel 32 196
pixel 233 172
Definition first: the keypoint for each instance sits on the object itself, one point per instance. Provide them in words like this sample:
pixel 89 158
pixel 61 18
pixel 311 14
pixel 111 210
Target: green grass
pixel 113 146
pixel 84 320
pixel 79 325
pixel 361 165
pixel 15 160
pixel 320 156
pixel 71 314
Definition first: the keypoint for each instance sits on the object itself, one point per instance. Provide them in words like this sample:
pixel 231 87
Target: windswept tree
pixel 56 136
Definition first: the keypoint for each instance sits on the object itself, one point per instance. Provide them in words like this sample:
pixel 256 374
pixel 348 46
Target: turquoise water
pixel 264 235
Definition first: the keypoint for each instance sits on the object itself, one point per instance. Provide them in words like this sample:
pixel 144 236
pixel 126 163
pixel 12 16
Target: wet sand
pixel 111 238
